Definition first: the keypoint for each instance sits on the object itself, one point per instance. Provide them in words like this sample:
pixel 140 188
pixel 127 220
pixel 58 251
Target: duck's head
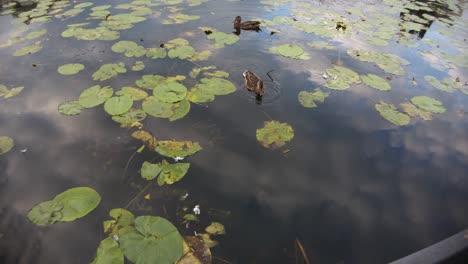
pixel 237 20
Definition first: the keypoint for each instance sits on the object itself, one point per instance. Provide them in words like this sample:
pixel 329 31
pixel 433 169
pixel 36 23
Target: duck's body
pixel 247 25
pixel 253 83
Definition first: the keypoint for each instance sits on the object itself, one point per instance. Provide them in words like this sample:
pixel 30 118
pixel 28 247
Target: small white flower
pixel 116 237
pixel 325 76
pixel 196 209
pixel 177 159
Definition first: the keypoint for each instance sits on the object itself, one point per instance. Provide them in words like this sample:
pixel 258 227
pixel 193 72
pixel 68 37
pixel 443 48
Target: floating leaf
pixel 95 96
pixel 290 51
pixel 195 252
pixel 170 92
pixel 130 117
pixel 220 38
pixel 65 207
pixel 155 240
pixel 109 252
pixel 321 45
pixel 129 48
pixel 10 93
pixel 150 81
pixel 413 111
pixel 150 171
pixel 181 52
pixel 175 149
pixel 70 69
pixel 428 104
pixel 167 173
pixel 389 112
pixel 215 228
pixel 147 138
pixel 118 105
pixel 387 62
pixel 6 144
pixel 36 34
pixel 182 108
pixel 83 5
pixel 134 93
pixel 138 66
pixel 179 18
pixel 28 49
pixel 274 134
pixel 447 84
pixel 216 86
pixel 70 108
pixel 108 71
pixel 207 240
pixel 307 99
pixel 217 74
pixel 376 82
pixel 158 108
pixel 201 56
pixel 341 78
pixel 156 53
pixel 199 96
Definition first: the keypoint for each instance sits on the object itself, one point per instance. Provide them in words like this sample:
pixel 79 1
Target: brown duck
pixel 247 25
pixel 253 83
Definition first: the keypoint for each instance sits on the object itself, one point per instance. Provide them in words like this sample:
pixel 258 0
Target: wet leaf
pixel 413 111
pixel 65 207
pixel 109 252
pixel 134 93
pixel 220 38
pixel 138 66
pixel 207 240
pixel 147 138
pixel 446 85
pixel 121 219
pixel 150 81
pixel 307 99
pixel 321 45
pixel 157 108
pixel 6 144
pixel 181 52
pixel 118 105
pixel 155 240
pixel 175 149
pixel 28 49
pixel 83 5
pixel 130 117
pixel 215 229
pixel 167 173
pixel 387 62
pixel 195 252
pixel 215 86
pixel 341 78
pixel 274 134
pixel 156 53
pixel 376 82
pixel 170 92
pixel 108 71
pixel 4 92
pixel 182 108
pixel 150 171
pixel 70 69
pixel 95 96
pixel 128 48
pixel 389 112
pixel 201 56
pixel 290 51
pixel 36 34
pixel 217 74
pixel 70 108
pixel 428 104
pixel 199 96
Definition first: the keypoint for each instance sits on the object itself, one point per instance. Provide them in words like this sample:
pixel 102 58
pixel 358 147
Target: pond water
pixel 352 185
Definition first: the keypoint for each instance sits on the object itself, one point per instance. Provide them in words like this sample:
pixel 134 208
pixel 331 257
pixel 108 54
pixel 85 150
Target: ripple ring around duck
pixel 272 91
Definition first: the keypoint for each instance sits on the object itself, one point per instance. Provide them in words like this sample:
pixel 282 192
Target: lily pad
pixel 167 173
pixel 220 38
pixel 6 144
pixel 28 49
pixel 150 81
pixel 341 78
pixel 321 45
pixel 215 228
pixel 156 53
pixel 155 240
pixel 175 149
pixel 201 56
pixel 199 96
pixel 195 252
pixel 4 92
pixel 217 74
pixel 170 92
pixel 36 34
pixel 65 207
pixel 446 85
pixel 290 51
pixel 428 104
pixel 147 138
pixel 389 112
pixel 181 52
pixel 134 93
pixel 118 105
pixel 179 18
pixel 70 108
pixel 130 117
pixel 108 71
pixel 376 82
pixel 95 96
pixel 216 86
pixel 413 111
pixel 274 134
pixel 307 99
pixel 70 69
pixel 121 218
pixel 158 108
pixel 182 108
pixel 109 252
pixel 138 66
pixel 129 48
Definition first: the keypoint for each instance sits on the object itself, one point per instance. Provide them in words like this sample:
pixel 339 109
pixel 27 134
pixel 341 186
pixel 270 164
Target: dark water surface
pixel 353 187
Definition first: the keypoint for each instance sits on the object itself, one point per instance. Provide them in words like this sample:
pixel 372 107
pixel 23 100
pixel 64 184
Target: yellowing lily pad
pixel 199 96
pixel 158 108
pixel 156 53
pixel 376 82
pixel 389 112
pixel 341 78
pixel 147 138
pixel 290 51
pixel 118 105
pixel 138 66
pixel 217 74
pixel 28 49
pixel 65 207
pixel 121 218
pixel 181 52
pixel 428 104
pixel 4 92
pixel 167 173
pixel 195 250
pixel 70 108
pixel 70 69
pixel 307 99
pixel 220 38
pixel 6 144
pixel 150 81
pixel 134 93
pixel 216 86
pixel 130 117
pixel 129 48
pixel 108 71
pixel 181 109
pixel 215 228
pixel 95 96
pixel 170 92
pixel 275 134
pixel 175 149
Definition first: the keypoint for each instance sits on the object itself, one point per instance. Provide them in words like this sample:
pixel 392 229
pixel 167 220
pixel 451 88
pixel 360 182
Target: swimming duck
pixel 253 83
pixel 247 25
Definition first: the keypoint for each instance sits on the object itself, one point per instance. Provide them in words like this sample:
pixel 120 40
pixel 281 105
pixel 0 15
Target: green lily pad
pixel 4 92
pixel 83 5
pixel 170 92
pixel 446 85
pixel 376 82
pixel 220 38
pixel 134 93
pixel 138 66
pixel 70 69
pixel 121 218
pixel 341 78
pixel 36 34
pixel 126 18
pixel 6 144
pixel 95 96
pixel 28 49
pixel 157 108
pixel 175 149
pixel 70 108
pixel 118 105
pixel 199 96
pixel 167 173
pixel 154 240
pixel 307 99
pixel 181 52
pixel 150 81
pixel 377 41
pixel 101 7
pixel 128 48
pixel 179 18
pixel 99 33
pixel 413 111
pixel 108 71
pixel 156 53
pixel 201 56
pixel 217 74
pixel 65 207
pixel 321 45
pixel 387 62
pixel 428 104
pixel 290 51
pixel 130 117
pixel 215 86
pixel 182 108
pixel 389 112
pixel 274 134
pixel 109 252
